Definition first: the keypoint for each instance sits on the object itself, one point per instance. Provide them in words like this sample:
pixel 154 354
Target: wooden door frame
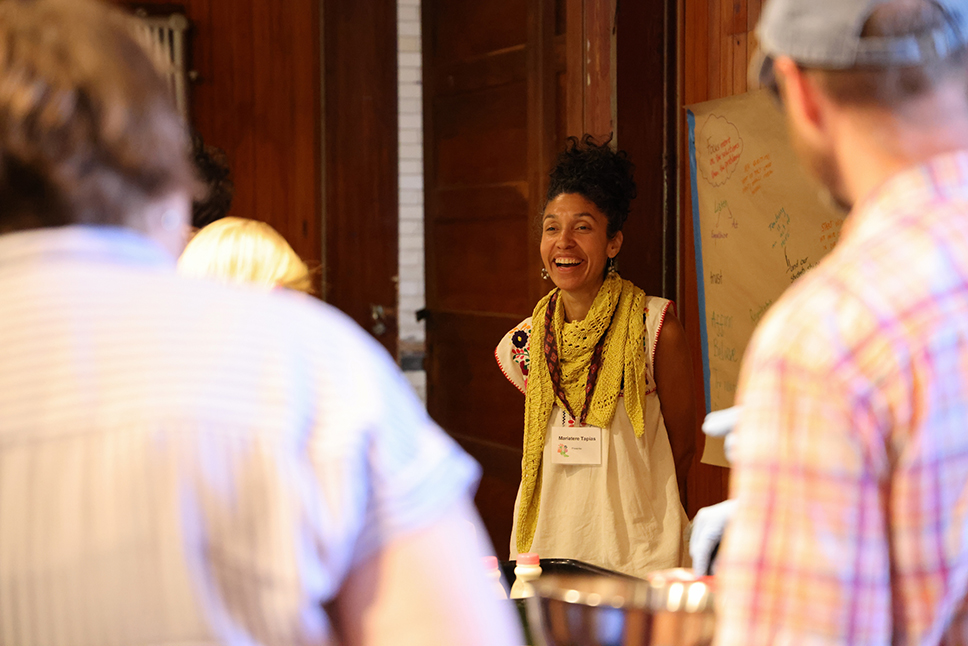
pixel 602 99
pixel 667 267
pixel 541 126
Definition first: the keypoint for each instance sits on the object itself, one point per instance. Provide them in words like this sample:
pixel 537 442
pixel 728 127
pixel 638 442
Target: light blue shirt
pixel 188 463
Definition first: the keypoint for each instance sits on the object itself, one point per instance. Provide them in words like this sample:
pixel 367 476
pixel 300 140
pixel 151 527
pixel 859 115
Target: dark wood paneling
pixel 257 97
pixel 599 20
pixel 474 402
pixel 641 132
pixel 475 28
pixel 467 394
pixel 459 77
pixel 574 68
pixel 484 202
pixel 480 265
pixel 480 137
pixel 361 159
pixel 489 97
pixel 544 65
pixel 501 467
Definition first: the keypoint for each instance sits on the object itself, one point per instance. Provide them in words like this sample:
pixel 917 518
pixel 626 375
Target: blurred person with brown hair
pixel 243 251
pixel 183 462
pixel 850 460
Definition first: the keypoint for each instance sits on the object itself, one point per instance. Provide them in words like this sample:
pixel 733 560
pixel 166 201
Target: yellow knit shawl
pixel 623 357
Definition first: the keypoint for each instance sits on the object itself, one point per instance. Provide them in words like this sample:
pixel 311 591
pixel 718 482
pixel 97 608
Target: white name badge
pixel 576 445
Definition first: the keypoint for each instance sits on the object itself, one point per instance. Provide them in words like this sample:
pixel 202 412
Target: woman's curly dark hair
pixel 597 173
pixel 212 167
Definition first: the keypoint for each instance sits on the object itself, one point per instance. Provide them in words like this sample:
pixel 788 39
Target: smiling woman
pixel 610 366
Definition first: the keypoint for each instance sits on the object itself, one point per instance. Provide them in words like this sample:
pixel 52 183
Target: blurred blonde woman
pixel 238 250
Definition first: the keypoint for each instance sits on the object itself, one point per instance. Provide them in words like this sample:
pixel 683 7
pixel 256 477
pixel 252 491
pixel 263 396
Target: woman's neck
pixel 578 303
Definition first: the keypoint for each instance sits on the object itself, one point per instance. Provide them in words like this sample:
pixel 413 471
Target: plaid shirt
pixel 852 451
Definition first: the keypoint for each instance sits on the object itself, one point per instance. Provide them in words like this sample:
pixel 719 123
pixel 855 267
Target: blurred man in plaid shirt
pixel 851 461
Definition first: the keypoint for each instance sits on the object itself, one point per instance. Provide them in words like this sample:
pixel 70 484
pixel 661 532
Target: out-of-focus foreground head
pixel 239 250
pixel 866 52
pixel 88 131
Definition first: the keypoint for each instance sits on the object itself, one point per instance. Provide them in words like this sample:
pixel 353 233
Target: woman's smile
pixel 567 264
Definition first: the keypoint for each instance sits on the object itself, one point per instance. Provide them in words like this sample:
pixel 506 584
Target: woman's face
pixel 575 245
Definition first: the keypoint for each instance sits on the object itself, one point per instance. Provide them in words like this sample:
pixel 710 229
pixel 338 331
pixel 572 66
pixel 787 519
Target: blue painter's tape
pixel 697 237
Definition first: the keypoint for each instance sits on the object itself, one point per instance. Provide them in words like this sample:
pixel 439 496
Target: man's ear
pixel 804 102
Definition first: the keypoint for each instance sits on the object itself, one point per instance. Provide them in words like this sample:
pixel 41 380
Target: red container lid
pixel 528 558
pixel 490 562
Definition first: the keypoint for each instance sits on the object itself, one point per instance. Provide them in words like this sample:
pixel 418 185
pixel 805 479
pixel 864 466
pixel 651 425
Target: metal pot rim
pixel 655 595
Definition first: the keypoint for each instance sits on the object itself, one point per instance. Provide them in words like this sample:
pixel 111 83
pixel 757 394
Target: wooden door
pixel 489 123
pixel 360 135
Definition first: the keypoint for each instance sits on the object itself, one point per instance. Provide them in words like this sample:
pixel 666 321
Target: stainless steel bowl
pixel 580 610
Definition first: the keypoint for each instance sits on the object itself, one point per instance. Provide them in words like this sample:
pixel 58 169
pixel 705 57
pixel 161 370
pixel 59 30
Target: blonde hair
pixel 238 250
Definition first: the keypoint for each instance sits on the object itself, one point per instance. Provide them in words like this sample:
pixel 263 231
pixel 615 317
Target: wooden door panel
pixel 467 393
pixel 467 29
pixel 491 202
pixel 361 160
pixel 487 156
pixel 501 467
pixel 488 124
pixel 481 265
pixel 459 77
pixel 488 109
pixel 481 136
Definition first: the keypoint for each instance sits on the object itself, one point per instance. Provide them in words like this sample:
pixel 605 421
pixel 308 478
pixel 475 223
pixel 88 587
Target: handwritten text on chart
pixel 728 386
pixel 719 323
pixel 798 267
pixel 724 221
pixel 830 233
pixel 718 150
pixel 757 314
pixel 781 227
pixel 724 352
pixel 756 172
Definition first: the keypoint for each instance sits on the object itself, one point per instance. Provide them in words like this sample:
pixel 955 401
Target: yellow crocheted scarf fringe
pixel 623 357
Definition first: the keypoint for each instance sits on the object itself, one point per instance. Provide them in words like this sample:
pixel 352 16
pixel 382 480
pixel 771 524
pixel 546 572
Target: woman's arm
pixel 674 382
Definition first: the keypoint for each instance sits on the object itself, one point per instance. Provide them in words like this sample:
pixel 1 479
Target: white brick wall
pixel 411 254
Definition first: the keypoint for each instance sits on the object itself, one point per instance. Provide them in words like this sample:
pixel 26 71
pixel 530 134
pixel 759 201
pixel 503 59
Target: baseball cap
pixel 827 34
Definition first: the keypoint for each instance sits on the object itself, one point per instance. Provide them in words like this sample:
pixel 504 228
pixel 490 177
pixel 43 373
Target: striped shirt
pixel 851 471
pixel 186 463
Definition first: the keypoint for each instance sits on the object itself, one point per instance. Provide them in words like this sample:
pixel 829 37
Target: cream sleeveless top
pixel 625 514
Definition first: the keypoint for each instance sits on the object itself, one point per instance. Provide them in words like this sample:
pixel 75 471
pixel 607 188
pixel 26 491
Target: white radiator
pixel 164 37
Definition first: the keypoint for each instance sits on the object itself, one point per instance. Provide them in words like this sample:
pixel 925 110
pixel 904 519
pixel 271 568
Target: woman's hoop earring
pixel 544 274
